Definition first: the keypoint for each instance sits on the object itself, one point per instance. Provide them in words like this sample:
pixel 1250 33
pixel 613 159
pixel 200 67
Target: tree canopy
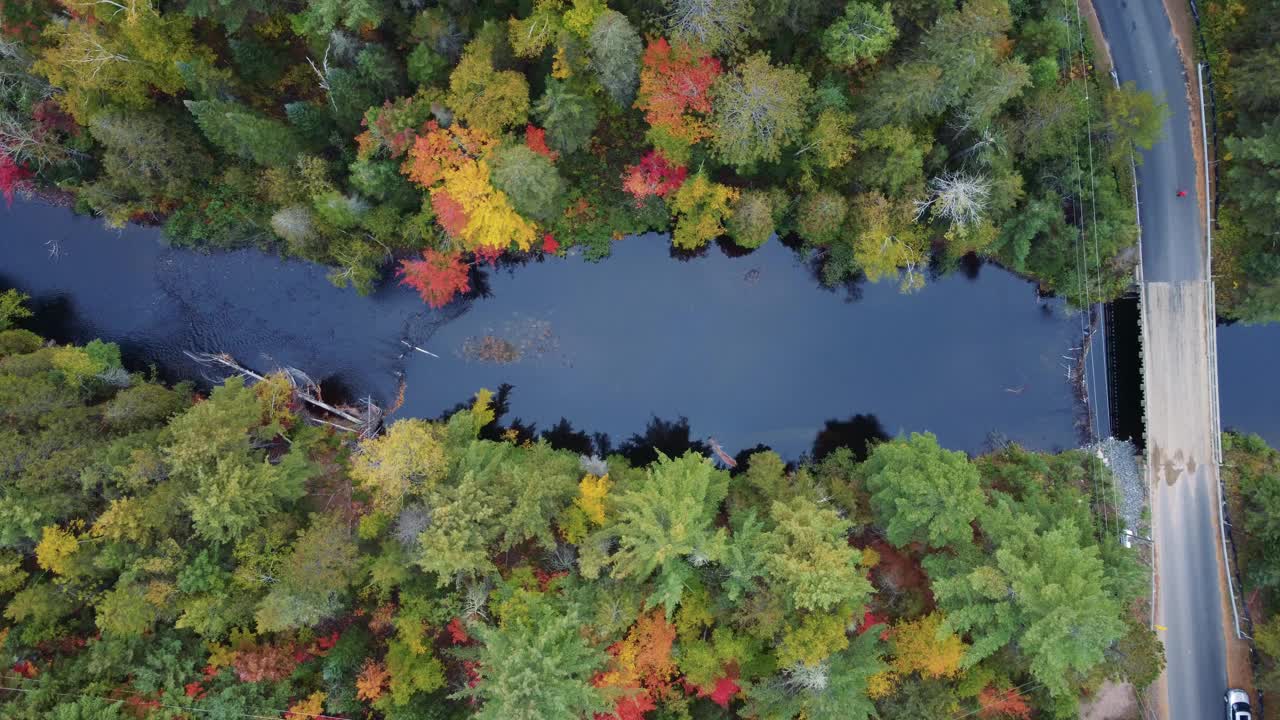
pixel 225 553
pixel 368 134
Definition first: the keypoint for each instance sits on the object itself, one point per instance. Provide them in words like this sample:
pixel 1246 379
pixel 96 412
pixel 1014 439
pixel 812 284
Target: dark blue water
pixel 1248 391
pixel 749 349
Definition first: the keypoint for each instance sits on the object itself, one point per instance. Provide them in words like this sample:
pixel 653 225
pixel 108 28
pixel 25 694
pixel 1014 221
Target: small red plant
pixel 535 138
pixel 870 620
pixel 12 175
pixel 457 633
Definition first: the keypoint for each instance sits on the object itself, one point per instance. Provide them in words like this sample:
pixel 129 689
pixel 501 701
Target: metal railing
pixel 1209 130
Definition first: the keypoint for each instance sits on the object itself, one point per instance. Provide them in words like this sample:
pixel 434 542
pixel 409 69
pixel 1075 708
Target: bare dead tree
pixel 710 22
pixel 364 423
pixel 959 198
pixel 324 76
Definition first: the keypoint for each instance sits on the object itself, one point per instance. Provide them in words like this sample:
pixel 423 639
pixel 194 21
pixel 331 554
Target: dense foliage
pixel 1244 46
pixel 167 554
pixel 1251 473
pixel 885 137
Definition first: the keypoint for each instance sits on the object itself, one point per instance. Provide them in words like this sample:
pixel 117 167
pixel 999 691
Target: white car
pixel 1238 705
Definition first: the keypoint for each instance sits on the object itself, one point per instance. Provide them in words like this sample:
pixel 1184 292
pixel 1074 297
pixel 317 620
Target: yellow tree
pixel 701 208
pixel 451 163
pixel 888 241
pixel 486 98
pixel 409 455
pixel 919 647
pixel 491 221
pixel 119 60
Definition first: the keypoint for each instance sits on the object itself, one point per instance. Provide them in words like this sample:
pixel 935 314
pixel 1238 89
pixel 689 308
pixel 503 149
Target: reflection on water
pixel 635 352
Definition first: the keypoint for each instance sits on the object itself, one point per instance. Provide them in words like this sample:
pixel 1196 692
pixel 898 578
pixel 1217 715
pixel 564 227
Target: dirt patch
pixel 1113 701
pixel 1239 670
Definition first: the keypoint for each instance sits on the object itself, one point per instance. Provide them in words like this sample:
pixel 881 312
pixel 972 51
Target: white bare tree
pixel 293 224
pixel 960 198
pixel 807 678
pixel 710 23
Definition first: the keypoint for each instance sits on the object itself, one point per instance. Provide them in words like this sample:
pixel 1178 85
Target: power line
pixel 1082 273
pixel 1097 257
pixel 1089 362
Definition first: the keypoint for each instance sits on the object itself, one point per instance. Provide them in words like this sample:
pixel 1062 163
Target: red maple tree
pixel 265 662
pixel 1002 704
pixel 653 175
pixel 11 176
pixel 549 244
pixel 449 213
pixel 675 81
pixel 632 707
pixel 437 278
pixel 724 691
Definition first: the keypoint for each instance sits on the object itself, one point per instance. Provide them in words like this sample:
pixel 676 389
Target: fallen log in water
pixel 306 390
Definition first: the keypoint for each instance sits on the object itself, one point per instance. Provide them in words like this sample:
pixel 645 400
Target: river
pixel 751 350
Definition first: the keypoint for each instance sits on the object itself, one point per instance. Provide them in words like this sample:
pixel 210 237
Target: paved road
pixel 1184 494
pixel 1144 51
pixel 1177 371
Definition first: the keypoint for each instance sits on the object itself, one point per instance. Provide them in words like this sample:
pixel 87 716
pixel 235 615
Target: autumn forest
pixel 166 553
pixel 174 551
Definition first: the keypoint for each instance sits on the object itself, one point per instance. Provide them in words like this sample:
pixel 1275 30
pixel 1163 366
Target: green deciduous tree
pixel 758 110
pixel 568 116
pixel 615 49
pixel 1134 118
pixel 752 221
pixel 530 182
pixel 923 493
pixel 12 308
pixel 821 215
pixel 862 34
pixel 887 241
pixel 483 97
pixel 216 428
pixel 891 158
